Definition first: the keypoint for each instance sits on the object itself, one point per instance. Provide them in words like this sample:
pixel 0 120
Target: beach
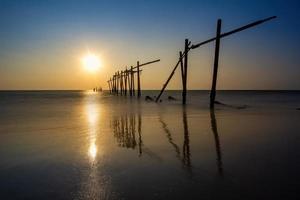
pixel 93 145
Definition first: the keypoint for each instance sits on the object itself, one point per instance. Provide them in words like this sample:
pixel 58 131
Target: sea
pixel 95 145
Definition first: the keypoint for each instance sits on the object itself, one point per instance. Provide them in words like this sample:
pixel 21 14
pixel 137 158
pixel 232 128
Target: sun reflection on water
pixel 92 114
pixel 93 151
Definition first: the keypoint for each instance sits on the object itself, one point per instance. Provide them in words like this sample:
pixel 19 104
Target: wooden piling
pixel 121 83
pixel 132 81
pixel 113 84
pixel 138 80
pixel 117 84
pixel 216 63
pixel 129 82
pixel 185 64
pixel 125 80
pixel 109 88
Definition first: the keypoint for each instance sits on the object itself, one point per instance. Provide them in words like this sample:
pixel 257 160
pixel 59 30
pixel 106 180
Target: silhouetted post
pixel 185 64
pixel 125 80
pixel 216 63
pixel 109 87
pixel 117 83
pixel 121 83
pixel 129 82
pixel 138 80
pixel 181 67
pixel 132 81
pixel 113 84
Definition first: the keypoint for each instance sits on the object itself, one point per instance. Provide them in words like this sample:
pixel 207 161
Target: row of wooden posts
pixel 123 82
pixel 183 59
pixel 122 79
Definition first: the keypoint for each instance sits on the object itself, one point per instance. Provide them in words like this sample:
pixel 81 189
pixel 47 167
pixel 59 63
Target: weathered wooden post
pixel 113 84
pixel 185 64
pixel 216 63
pixel 125 80
pixel 117 83
pixel 132 79
pixel 129 83
pixel 109 86
pixel 138 80
pixel 121 82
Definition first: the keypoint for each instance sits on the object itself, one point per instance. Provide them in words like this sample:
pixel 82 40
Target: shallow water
pixel 85 145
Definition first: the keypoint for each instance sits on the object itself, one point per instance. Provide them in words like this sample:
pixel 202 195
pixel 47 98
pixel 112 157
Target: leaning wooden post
pixel 185 64
pixel 181 67
pixel 138 80
pixel 216 63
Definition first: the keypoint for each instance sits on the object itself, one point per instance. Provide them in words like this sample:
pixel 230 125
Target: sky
pixel 42 42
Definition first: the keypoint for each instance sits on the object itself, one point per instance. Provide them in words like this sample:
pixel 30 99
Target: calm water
pixel 85 145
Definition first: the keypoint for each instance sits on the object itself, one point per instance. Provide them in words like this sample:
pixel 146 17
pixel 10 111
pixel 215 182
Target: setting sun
pixel 91 62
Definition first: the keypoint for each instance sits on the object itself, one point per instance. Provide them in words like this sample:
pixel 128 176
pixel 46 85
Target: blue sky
pixel 42 38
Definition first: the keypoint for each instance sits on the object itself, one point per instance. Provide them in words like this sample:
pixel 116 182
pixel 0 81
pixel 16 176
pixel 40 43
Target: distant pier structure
pixel 123 82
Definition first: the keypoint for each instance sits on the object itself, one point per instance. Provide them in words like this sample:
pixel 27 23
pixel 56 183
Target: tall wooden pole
pixel 216 63
pixel 117 83
pixel 113 84
pixel 132 81
pixel 185 64
pixel 121 82
pixel 129 82
pixel 138 80
pixel 125 80
pixel 109 86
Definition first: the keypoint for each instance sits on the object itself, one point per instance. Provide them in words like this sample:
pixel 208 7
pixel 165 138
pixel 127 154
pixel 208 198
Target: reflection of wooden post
pixel 138 80
pixel 216 63
pixel 140 133
pixel 214 129
pixel 186 142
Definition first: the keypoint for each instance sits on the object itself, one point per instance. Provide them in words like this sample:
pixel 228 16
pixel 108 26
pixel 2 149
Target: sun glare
pixel 91 62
